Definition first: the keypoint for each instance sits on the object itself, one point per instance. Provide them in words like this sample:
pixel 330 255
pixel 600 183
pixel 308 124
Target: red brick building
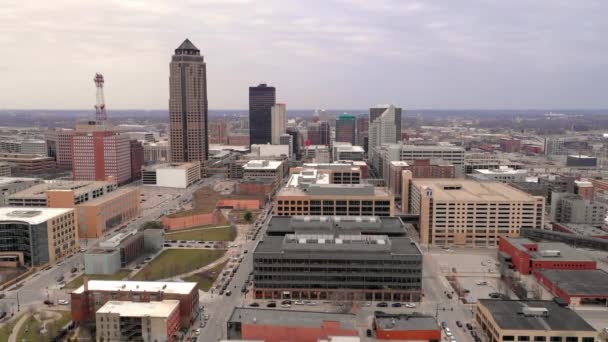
pixel 576 287
pixel 527 256
pixel 510 145
pixel 101 155
pixel 93 294
pixel 405 327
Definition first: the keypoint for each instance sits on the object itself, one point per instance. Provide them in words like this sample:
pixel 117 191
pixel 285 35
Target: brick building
pixel 137 159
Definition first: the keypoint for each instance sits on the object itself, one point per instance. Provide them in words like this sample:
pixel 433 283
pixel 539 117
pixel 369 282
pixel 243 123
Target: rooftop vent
pixel 535 312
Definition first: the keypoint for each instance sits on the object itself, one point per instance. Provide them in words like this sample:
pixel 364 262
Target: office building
pixel 487 162
pixel 188 106
pixel 261 100
pixel 38 147
pixel 94 294
pixel 282 267
pixel 174 175
pixel 156 152
pixel 268 151
pixel 554 146
pixel 406 327
pixel 584 188
pixel 572 208
pixel 97 216
pixel 136 321
pixel 101 155
pixel 257 324
pixel 531 320
pixel 298 141
pixel 557 183
pixel 503 175
pixel 419 168
pixel 362 124
pixel 218 132
pixel 311 193
pixel 29 164
pixel 468 213
pixel 510 145
pixel 379 110
pixel 316 154
pixel 278 122
pixel 35 237
pixel 345 129
pixel 10 146
pixel 264 169
pixel 527 257
pixel 137 159
pixel 576 287
pixel 5 169
pixel 398 152
pixel 286 139
pixel 346 151
pixel 12 185
pixel 319 133
pixel 338 173
pixel 60 193
pixel 581 161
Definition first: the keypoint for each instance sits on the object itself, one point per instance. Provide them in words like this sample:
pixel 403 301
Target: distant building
pixel 137 321
pixel 510 145
pixel 37 236
pixel 581 161
pixel 12 185
pixel 338 173
pixel 261 100
pixel 156 152
pixel 345 129
pixel 488 162
pixel 101 155
pixel 379 110
pixel 188 106
pixel 28 164
pixel 534 189
pixel 319 133
pixel 238 140
pixel 5 169
pixel 60 193
pixel 362 124
pixel 557 183
pixel 554 146
pixel 316 154
pixel 384 127
pixel 278 122
pixel 502 174
pixel 218 132
pixel 572 208
pixel 265 151
pixel 137 159
pixel 584 188
pixel 420 168
pixel 468 213
pixel 286 139
pixel 38 147
pixel 60 144
pixel 398 152
pixel 174 175
pixel 346 151
pixel 298 141
pixel 264 169
pixel 529 320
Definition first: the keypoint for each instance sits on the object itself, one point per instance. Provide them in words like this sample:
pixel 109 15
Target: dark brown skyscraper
pixel 188 104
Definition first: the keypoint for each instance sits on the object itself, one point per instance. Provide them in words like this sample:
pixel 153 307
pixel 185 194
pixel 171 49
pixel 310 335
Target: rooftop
pixel 262 165
pixel 39 190
pixel 501 170
pixel 139 286
pixel 579 282
pixel 584 229
pixel 281 225
pixel 140 309
pixel 31 215
pixel 470 190
pixel 170 166
pixel 12 180
pixel 117 239
pixel 549 250
pixel 405 322
pixel 508 316
pixel 290 317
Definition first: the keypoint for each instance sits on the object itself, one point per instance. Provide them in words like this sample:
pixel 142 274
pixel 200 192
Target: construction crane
pixel 100 106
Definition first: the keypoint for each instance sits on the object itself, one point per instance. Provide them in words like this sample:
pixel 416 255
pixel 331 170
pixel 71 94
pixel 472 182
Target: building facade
pixel 278 122
pixel 379 110
pixel 29 164
pixel 174 175
pixel 345 129
pixel 96 217
pixel 572 208
pixel 383 127
pixel 101 155
pixel 137 159
pixel 261 100
pixel 188 106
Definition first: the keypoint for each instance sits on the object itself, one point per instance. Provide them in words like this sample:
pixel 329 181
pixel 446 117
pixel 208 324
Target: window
pixel 540 338
pixel 523 338
pixel 556 339
pixel 572 339
pixel 508 338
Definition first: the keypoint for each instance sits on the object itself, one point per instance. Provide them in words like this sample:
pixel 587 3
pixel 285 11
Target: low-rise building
pixel 93 294
pixel 60 193
pixel 531 320
pixel 572 208
pixel 156 151
pixel 347 151
pixel 364 225
pixel 264 169
pixel 406 327
pixel 581 161
pixel 527 257
pixel 316 154
pixel 533 188
pixel 488 161
pixel 175 175
pixel 268 151
pixel 102 261
pixel 29 164
pixel 583 230
pixel 576 287
pixel 5 169
pixel 96 217
pixel 12 185
pixel 339 173
pixel 37 236
pixel 254 324
pixel 503 174
pixel 135 321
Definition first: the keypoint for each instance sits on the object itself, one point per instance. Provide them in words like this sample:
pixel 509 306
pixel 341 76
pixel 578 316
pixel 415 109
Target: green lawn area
pixel 205 279
pixel 33 332
pixel 5 331
pixel 174 262
pixel 77 282
pixel 225 233
pixel 241 216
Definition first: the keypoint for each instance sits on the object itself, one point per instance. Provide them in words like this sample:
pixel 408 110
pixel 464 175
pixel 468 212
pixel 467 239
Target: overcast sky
pixel 318 53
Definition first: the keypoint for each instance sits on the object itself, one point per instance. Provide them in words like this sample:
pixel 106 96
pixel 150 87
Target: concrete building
pixel 97 216
pixel 487 162
pixel 406 327
pixel 29 164
pixel 102 261
pixel 174 175
pixel 188 106
pixel 261 100
pixel 267 151
pixel 60 193
pixel 38 147
pixel 397 152
pixel 531 320
pixel 503 175
pixel 12 185
pixel 468 213
pixel 156 152
pixel 379 110
pixel 286 139
pixel 37 236
pixel 383 127
pixel 311 193
pixel 264 169
pixel 101 155
pixel 94 294
pixel 557 183
pixel 5 169
pixel 346 151
pixel 584 188
pixel 572 208
pixel 339 173
pixel 345 129
pixel 257 324
pixel 10 146
pixel 581 161
pixel 135 321
pixel 316 154
pixel 527 257
pixel 136 150
pixel 554 146
pixel 278 122
pixel 576 287
pixel 59 143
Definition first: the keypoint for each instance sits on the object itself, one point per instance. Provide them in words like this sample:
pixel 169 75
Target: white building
pixel 172 175
pixel 156 152
pixel 395 152
pixel 316 154
pixel 262 151
pixel 346 151
pixel 382 129
pixel 278 117
pixel 287 139
pixel 503 174
pixel 34 147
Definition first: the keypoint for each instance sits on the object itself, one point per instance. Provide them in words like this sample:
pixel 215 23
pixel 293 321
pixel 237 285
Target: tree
pixel 152 224
pixel 248 216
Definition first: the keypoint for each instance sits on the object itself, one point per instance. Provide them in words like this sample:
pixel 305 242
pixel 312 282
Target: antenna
pixel 100 106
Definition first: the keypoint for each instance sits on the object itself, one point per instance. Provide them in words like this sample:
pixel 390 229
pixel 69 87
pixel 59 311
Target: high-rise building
pixel 319 133
pixel 60 142
pixel 298 141
pixel 188 104
pixel 278 121
pixel 345 128
pixel 382 128
pixel 362 128
pixel 261 100
pixel 378 110
pixel 137 158
pixel 218 133
pixel 101 155
pixel 287 139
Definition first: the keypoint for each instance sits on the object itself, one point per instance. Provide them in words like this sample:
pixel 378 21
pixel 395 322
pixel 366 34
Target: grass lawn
pixel 77 282
pixel 225 233
pixel 33 333
pixel 5 331
pixel 205 279
pixel 174 262
pixel 241 216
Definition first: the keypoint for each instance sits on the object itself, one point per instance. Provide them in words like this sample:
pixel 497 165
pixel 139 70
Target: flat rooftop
pixel 473 191
pixel 584 229
pixel 281 225
pixel 169 166
pixel 507 314
pixel 579 282
pixel 13 180
pixel 117 239
pixel 183 288
pixel 31 215
pixel 290 318
pixel 262 165
pixel 501 171
pixel 140 309
pixel 38 191
pixel 405 322
pixel 566 253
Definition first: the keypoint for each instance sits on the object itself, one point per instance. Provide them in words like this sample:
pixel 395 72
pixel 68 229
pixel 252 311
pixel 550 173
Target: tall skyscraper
pixel 188 104
pixel 261 100
pixel 378 110
pixel 345 129
pixel 362 128
pixel 278 114
pixel 319 133
pixel 382 129
pixel 101 155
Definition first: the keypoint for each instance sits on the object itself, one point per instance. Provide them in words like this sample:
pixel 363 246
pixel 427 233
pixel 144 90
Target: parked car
pixel 286 301
pixel 271 305
pixel 469 326
pixel 382 305
pixel 63 302
pixel 254 305
pixel 444 325
pixel 396 305
pixel 410 305
pixel 48 302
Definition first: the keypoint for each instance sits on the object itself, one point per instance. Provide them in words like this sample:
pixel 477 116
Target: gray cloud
pixel 318 53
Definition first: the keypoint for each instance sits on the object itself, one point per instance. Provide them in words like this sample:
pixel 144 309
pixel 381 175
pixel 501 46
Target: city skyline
pixel 418 55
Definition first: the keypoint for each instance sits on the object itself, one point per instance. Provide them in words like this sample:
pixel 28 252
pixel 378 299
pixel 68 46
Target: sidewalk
pixel 17 327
